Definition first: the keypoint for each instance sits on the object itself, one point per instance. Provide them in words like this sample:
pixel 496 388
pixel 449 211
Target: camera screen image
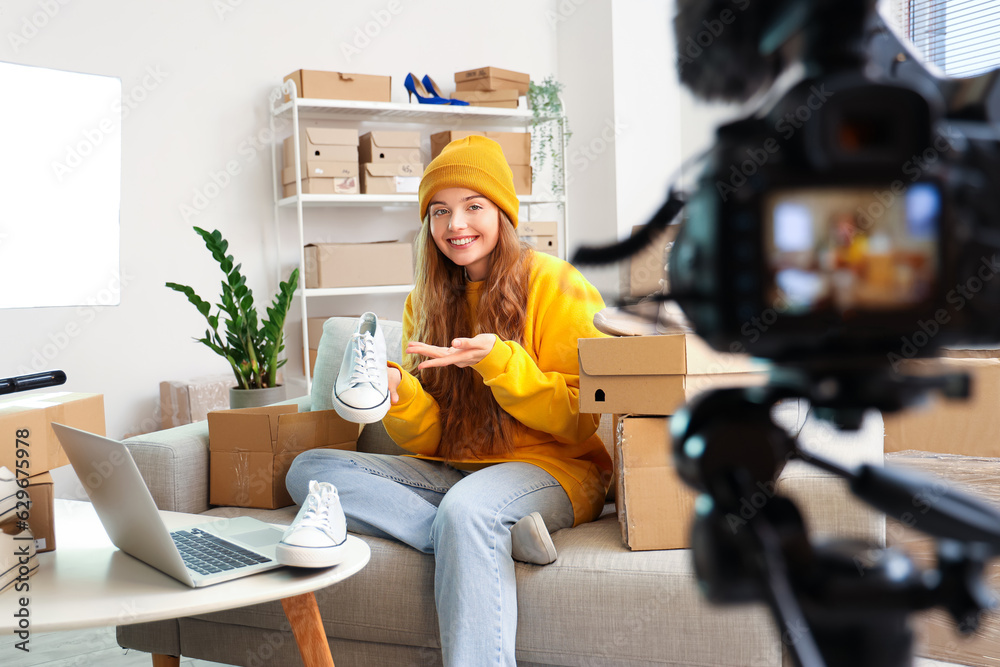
pixel 851 249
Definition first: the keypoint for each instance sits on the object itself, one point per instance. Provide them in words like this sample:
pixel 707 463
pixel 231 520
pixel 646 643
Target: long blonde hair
pixel 473 425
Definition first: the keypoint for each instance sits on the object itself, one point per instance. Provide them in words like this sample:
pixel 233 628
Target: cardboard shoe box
pixel 186 401
pixel 41 519
pixel 320 85
pixel 251 450
pixel 390 146
pixel 542 236
pixel 516 146
pixel 503 99
pixel 389 178
pixel 322 152
pixel 951 426
pixel 655 375
pixel 358 264
pixel 654 506
pixel 492 78
pixel 25 424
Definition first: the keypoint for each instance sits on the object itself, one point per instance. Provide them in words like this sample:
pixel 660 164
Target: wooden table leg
pixel 160 660
pixel 307 625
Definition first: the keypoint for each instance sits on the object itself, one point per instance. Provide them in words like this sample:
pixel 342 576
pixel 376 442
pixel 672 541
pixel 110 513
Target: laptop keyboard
pixel 207 554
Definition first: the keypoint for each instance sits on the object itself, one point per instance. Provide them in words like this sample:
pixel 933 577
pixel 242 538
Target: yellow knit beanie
pixel 476 163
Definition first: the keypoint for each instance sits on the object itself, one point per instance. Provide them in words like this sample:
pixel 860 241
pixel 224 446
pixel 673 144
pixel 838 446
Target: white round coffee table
pixel 87 582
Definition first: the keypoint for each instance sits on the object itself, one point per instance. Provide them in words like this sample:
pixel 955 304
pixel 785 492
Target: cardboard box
pixel 654 375
pixel 542 235
pixel 358 264
pixel 655 507
pixel 389 146
pixel 936 635
pixel 250 450
pixel 325 186
pixel 543 243
pixel 339 171
pixel 522 179
pixel 947 425
pixel 649 266
pixel 516 145
pixel 41 519
pixel 504 98
pixel 319 146
pixel 388 178
pixel 187 401
pixel 492 78
pixel 32 414
pixel 319 85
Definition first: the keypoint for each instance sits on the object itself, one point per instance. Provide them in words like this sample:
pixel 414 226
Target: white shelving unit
pixel 444 116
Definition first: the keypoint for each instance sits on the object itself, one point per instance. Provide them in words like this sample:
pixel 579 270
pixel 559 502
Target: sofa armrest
pixel 174 463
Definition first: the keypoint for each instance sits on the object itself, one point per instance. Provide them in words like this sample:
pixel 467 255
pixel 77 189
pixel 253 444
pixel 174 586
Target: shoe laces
pixel 365 363
pixel 318 503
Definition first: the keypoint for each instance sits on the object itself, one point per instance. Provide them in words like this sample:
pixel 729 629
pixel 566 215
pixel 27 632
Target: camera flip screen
pixel 852 249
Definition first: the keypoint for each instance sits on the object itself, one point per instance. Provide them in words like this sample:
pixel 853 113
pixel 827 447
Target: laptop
pixel 200 555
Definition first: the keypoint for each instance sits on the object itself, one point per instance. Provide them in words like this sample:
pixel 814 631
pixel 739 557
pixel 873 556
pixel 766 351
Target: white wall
pixel 197 75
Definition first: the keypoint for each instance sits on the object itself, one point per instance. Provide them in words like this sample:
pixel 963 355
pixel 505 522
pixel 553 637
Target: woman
pixel 487 400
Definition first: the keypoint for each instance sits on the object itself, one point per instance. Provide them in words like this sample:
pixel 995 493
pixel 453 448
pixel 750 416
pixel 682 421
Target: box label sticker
pixel 407 184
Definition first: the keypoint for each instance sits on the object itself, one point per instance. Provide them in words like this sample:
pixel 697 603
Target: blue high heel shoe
pixel 431 86
pixel 415 87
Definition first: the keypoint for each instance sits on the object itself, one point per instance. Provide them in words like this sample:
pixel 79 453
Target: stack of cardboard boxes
pixel 328 159
pixel 516 148
pixel 643 380
pixel 390 163
pixel 187 401
pixel 31 448
pixel 543 236
pixel 491 87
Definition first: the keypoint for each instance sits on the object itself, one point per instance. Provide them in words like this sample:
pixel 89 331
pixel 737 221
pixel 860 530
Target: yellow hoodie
pixel 538 384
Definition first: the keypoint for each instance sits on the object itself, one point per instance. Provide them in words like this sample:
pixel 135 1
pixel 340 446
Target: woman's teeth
pixel 463 241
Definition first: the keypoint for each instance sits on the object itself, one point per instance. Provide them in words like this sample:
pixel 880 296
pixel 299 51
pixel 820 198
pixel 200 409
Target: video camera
pixel 845 224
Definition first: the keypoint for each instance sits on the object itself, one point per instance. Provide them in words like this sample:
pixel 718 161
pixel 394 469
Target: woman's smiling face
pixel 465 226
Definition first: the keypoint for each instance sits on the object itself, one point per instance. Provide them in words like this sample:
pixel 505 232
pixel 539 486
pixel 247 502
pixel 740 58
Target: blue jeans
pixel 463 518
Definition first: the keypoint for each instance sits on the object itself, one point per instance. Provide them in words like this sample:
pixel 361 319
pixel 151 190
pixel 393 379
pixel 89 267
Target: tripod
pixel 838 603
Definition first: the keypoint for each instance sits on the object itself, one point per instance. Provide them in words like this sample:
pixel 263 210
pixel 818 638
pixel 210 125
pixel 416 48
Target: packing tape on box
pixel 241 479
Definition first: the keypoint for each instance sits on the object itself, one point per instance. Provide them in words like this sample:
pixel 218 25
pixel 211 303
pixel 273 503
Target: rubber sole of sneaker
pixel 288 554
pixel 361 415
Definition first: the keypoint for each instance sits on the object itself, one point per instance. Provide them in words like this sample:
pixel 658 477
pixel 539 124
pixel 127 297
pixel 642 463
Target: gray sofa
pixel 598 604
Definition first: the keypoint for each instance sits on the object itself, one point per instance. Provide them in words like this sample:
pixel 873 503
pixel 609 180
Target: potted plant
pixel 250 345
pixel 547 124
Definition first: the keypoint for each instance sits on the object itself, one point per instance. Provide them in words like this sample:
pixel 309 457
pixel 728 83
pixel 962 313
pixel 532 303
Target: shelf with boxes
pixel 335 165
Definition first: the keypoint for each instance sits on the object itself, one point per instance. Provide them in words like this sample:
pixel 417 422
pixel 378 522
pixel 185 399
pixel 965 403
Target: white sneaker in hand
pixel 361 393
pixel 318 536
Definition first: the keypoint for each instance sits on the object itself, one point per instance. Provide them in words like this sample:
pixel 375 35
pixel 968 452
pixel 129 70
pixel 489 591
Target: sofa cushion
pixel 659 618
